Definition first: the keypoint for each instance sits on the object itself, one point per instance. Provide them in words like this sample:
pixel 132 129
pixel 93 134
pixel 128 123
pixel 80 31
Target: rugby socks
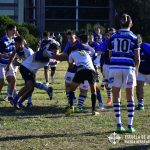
pixel 67 95
pixel 117 114
pixel 16 98
pixel 30 99
pixel 140 103
pixel 71 97
pixel 109 93
pixel 81 101
pixel 99 97
pixel 20 103
pixel 41 86
pixel 130 108
pixel 93 99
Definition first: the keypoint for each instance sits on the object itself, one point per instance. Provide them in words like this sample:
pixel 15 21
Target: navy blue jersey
pixel 6 47
pixel 94 45
pixel 43 46
pixel 44 43
pixel 123 44
pixel 144 67
pixel 98 37
pixel 39 54
pixel 69 47
pixel 103 47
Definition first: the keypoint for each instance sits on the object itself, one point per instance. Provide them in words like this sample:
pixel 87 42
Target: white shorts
pixel 97 61
pixel 105 73
pixel 69 77
pixel 122 78
pixel 3 73
pixel 143 77
pixel 53 62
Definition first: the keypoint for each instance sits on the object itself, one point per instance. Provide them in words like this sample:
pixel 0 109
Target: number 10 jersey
pixel 123 44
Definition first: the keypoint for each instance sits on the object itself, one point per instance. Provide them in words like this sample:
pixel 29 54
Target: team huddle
pixel 121 56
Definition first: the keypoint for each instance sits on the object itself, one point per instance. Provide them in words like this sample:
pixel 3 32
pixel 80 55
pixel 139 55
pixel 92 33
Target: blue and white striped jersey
pixel 6 47
pixel 123 44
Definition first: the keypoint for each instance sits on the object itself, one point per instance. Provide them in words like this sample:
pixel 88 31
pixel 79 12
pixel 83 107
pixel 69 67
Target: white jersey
pixel 31 64
pixel 81 58
pixel 27 52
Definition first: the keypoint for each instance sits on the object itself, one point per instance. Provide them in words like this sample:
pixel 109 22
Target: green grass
pixel 46 128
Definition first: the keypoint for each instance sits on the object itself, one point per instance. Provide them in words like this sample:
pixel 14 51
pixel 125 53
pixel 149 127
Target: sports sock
pixel 99 97
pixel 130 107
pixel 41 86
pixel 117 113
pixel 109 94
pixel 93 99
pixel 140 102
pixel 81 101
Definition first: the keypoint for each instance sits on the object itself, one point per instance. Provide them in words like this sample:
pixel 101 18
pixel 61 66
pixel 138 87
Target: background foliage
pixel 139 11
pixel 27 30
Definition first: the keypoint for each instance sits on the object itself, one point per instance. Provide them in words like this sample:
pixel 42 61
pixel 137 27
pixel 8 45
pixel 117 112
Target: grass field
pixel 45 127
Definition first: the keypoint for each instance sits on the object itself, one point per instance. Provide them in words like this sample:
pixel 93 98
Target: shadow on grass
pixel 27 137
pixel 36 110
pixel 140 147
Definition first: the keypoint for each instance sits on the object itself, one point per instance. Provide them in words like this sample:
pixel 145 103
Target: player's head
pixel 46 35
pixel 111 31
pixel 71 36
pixel 97 28
pixel 53 47
pixel 126 21
pixel 90 37
pixel 83 38
pixel 11 30
pixel 19 42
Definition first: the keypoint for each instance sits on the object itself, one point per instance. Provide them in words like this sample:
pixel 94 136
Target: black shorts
pixel 85 74
pixel 53 68
pixel 27 74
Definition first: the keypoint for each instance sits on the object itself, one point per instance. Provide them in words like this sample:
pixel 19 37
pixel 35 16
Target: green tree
pixel 139 11
pixel 27 30
pixel 32 29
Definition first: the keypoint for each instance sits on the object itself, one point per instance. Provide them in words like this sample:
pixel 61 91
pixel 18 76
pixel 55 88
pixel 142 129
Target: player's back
pixel 82 58
pixel 123 43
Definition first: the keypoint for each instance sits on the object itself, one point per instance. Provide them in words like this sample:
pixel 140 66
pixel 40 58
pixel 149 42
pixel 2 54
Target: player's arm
pixel 60 57
pixel 137 60
pixel 12 56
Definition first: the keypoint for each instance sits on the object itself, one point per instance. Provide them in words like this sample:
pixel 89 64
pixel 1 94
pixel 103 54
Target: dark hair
pixel 46 33
pixel 10 27
pixel 70 33
pixel 53 46
pixel 125 21
pixel 111 30
pixel 83 38
pixel 19 39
